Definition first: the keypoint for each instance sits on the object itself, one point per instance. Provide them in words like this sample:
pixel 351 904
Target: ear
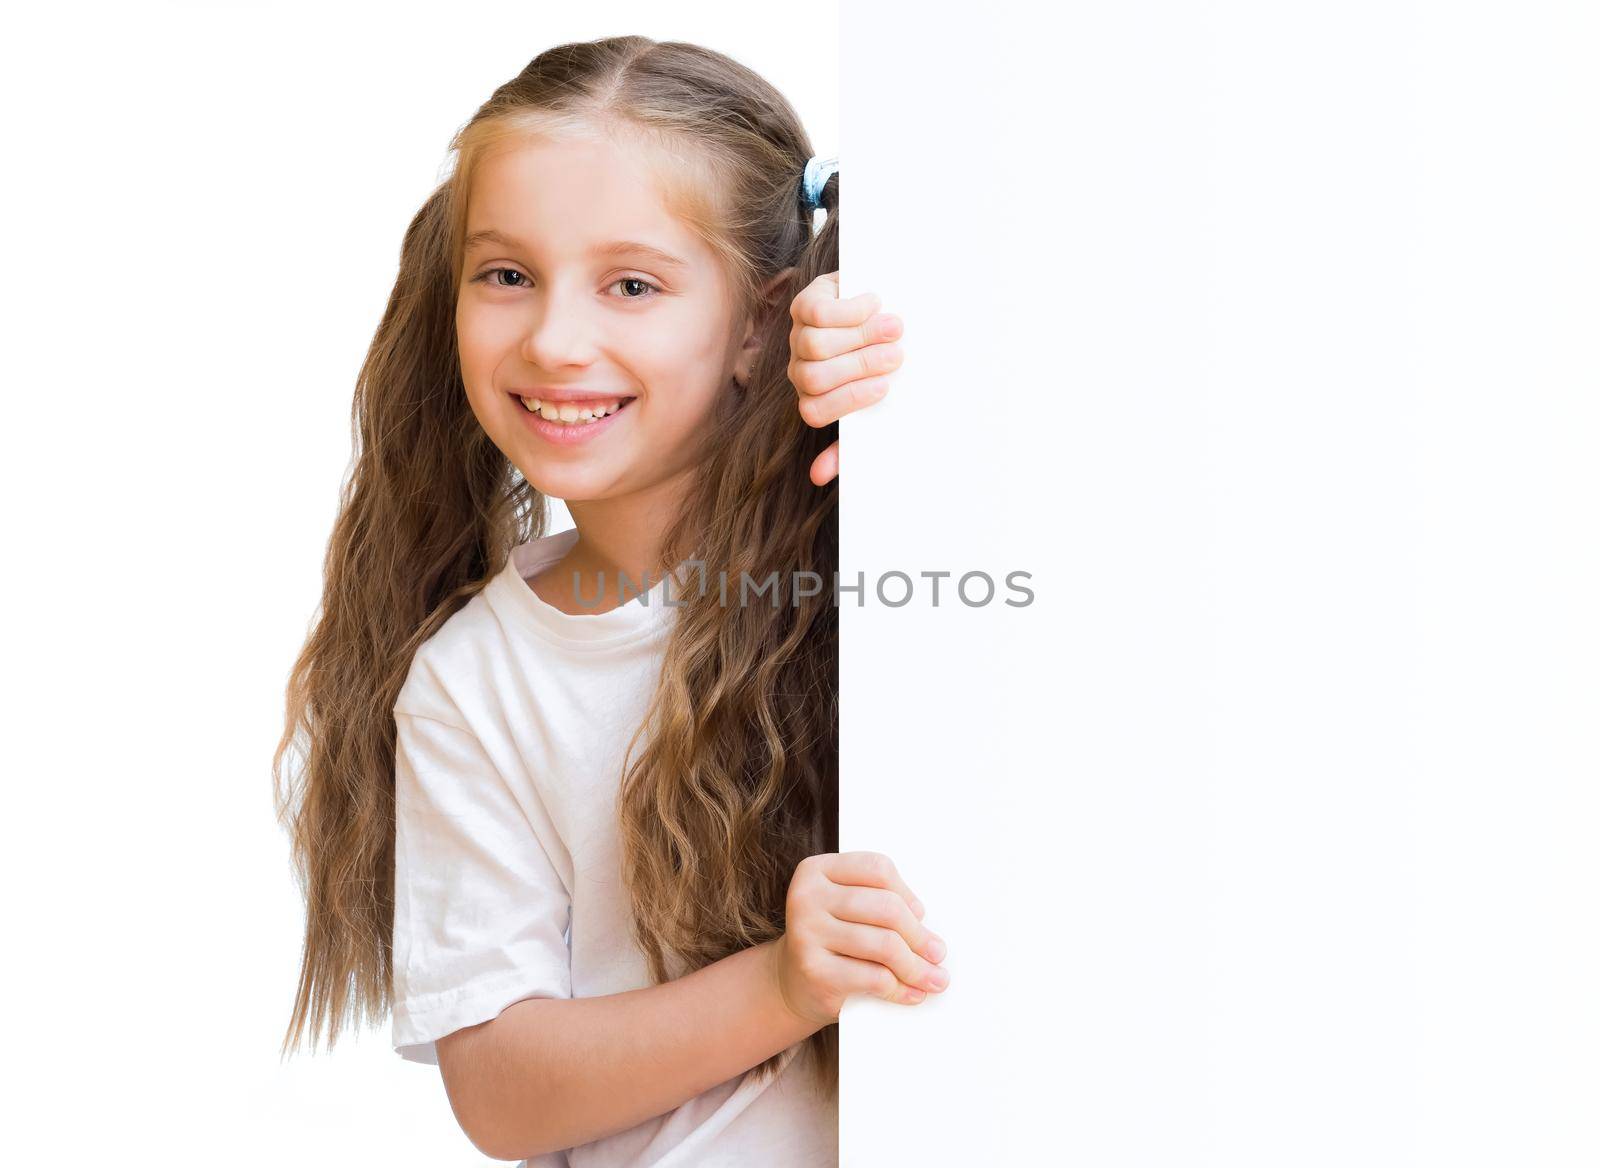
pixel 750 346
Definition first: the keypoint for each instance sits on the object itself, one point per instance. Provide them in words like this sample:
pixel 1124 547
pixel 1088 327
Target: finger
pixel 816 309
pixel 823 289
pixel 888 948
pixel 815 377
pixel 826 466
pixel 868 977
pixel 818 303
pixel 813 343
pixel 887 910
pixel 869 869
pixel 836 403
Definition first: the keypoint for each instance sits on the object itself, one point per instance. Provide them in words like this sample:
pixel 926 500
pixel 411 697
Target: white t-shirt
pixel 512 725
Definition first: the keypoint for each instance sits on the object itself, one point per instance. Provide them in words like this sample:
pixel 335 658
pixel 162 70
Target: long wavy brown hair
pixel 736 776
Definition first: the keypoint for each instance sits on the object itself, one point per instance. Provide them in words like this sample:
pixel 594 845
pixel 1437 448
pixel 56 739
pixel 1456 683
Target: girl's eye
pixel 487 277
pixel 641 283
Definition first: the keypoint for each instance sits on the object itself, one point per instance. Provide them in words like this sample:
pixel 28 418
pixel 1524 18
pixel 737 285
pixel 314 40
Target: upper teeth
pixel 570 412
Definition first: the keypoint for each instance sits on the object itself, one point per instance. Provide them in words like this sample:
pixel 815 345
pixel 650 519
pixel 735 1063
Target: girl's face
pixel 562 298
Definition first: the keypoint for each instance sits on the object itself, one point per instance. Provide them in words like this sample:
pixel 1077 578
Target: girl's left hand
pixel 841 356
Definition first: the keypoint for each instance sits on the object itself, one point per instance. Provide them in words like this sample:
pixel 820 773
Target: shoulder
pixel 451 668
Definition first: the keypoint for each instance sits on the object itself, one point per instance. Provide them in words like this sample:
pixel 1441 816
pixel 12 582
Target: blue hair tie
pixel 818 171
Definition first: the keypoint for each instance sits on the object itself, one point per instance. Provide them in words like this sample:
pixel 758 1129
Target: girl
pixel 581 839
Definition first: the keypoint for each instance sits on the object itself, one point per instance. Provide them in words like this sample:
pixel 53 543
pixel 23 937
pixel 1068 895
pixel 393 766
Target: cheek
pixel 479 351
pixel 482 340
pixel 686 366
pixel 469 345
pixel 679 420
pixel 680 410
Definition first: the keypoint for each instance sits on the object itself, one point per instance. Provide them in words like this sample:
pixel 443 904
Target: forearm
pixel 554 1073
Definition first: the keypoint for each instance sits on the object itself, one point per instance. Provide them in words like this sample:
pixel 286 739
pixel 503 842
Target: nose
pixel 562 329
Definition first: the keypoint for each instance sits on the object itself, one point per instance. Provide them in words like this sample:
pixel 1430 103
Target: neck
pixel 623 535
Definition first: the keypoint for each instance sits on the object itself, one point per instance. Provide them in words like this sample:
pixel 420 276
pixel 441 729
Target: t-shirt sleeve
pixel 481 913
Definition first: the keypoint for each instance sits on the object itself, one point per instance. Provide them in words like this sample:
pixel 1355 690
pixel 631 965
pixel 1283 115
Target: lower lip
pixel 561 434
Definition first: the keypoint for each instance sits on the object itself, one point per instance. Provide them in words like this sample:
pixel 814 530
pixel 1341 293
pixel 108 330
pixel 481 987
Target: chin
pixel 570 484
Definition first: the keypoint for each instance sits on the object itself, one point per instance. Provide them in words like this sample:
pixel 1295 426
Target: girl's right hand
pixel 853 927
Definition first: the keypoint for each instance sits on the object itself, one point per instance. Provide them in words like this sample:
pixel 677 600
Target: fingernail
pixel 937 948
pixel 893 327
pixel 938 979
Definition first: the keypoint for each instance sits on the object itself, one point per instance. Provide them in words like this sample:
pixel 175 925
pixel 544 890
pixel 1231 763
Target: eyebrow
pixel 619 247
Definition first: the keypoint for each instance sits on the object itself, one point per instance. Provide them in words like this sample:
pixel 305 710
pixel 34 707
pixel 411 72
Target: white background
pixel 1261 335
pixel 1265 336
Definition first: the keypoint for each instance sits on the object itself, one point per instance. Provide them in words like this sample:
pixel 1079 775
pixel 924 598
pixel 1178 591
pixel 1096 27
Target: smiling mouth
pixel 574 413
